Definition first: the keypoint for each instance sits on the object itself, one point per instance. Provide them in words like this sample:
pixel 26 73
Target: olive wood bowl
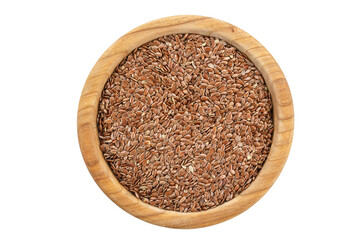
pixel 283 114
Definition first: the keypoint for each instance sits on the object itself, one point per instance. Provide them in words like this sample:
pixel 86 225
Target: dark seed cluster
pixel 185 122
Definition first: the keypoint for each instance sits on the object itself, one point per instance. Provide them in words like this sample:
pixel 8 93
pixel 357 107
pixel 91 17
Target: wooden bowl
pixel 283 120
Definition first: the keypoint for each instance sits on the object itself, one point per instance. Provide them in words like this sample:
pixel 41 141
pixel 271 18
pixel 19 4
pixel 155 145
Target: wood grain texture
pixel 283 120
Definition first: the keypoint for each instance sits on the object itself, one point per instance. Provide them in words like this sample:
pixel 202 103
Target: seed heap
pixel 185 122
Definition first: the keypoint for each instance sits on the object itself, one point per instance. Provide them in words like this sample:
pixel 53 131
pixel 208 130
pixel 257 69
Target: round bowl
pixel 283 114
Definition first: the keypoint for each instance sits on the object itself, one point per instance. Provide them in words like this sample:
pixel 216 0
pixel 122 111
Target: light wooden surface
pixel 283 119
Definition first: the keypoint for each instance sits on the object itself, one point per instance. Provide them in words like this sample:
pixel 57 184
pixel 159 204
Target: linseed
pixel 185 122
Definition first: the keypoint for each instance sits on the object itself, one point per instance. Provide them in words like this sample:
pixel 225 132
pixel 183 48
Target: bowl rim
pixel 283 113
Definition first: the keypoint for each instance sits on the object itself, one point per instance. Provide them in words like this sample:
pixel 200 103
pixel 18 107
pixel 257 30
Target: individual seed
pixel 182 200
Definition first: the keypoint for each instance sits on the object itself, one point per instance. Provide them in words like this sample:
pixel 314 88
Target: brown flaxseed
pixel 185 122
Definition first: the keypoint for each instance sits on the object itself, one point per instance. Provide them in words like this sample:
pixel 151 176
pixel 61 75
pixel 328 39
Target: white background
pixel 47 49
